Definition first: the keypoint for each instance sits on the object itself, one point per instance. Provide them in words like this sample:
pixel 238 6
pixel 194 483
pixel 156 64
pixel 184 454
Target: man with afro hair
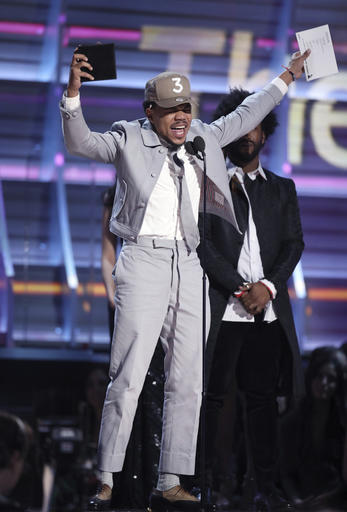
pixel 252 340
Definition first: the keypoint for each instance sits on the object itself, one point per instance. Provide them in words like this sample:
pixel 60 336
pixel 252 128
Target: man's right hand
pixel 256 298
pixel 78 61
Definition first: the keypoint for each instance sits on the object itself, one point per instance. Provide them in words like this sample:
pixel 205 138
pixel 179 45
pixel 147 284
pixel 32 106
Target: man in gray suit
pixel 158 274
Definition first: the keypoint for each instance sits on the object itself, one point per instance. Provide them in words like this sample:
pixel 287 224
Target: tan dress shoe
pixel 175 498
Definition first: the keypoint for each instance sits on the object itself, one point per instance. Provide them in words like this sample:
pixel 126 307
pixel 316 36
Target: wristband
pixel 268 289
pixel 239 293
pixel 290 72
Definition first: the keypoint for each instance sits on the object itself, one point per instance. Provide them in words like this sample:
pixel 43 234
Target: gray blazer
pixel 138 155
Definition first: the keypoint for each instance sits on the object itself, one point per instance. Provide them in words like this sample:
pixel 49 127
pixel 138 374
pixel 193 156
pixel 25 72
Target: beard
pixel 241 153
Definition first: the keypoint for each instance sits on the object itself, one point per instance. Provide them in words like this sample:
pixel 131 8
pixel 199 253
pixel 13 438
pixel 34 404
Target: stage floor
pixel 223 510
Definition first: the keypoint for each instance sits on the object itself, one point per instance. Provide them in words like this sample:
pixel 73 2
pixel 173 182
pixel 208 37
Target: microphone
pixel 199 144
pixel 196 146
pixel 189 146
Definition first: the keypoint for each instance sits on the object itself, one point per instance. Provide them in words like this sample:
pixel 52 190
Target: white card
pixel 321 62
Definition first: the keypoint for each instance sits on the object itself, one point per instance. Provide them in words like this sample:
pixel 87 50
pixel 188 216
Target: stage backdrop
pixel 51 291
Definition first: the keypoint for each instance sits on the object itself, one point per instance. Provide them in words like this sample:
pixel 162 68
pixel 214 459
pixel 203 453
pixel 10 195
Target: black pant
pixel 248 355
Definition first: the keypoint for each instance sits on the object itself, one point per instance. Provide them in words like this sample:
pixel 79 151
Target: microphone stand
pixel 194 148
pixel 205 505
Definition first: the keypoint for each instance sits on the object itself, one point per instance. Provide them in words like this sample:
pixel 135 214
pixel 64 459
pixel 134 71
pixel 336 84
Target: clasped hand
pixel 255 297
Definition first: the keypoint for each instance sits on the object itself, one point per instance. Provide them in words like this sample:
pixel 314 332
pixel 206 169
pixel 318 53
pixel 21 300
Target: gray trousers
pixel 158 295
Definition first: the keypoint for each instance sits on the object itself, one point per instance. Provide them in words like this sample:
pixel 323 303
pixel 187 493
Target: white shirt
pixel 162 217
pixel 249 266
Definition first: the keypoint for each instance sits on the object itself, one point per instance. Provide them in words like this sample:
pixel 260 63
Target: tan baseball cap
pixel 168 89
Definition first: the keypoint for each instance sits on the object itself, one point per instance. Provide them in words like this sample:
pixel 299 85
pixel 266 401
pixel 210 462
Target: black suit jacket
pixel 277 219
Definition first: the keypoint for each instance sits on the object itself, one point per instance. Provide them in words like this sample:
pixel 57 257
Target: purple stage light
pixel 77 32
pixel 62 18
pixel 266 43
pixel 59 159
pixel 287 168
pixel 12 27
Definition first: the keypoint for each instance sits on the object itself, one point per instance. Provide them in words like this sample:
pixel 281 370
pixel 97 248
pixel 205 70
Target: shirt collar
pixel 240 174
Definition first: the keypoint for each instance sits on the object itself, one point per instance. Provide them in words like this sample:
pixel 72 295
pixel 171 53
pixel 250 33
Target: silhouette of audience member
pixel 313 437
pixel 14 444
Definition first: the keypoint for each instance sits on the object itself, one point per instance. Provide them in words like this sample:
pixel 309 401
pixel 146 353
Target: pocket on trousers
pixel 116 270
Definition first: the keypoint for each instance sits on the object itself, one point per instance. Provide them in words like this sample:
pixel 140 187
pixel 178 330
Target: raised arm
pixel 256 106
pixel 79 139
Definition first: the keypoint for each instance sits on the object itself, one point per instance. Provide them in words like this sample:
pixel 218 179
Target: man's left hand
pixel 256 298
pixel 296 64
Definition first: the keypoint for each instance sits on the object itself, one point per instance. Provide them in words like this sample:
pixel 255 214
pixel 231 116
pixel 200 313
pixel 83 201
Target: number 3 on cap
pixel 178 86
